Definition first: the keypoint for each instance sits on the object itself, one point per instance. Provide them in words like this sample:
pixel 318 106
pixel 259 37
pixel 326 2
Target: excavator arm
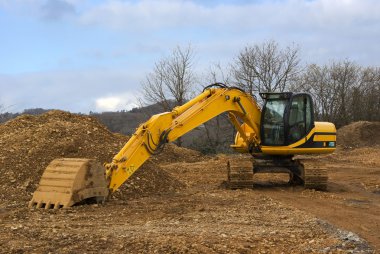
pixel 68 181
pixel 151 136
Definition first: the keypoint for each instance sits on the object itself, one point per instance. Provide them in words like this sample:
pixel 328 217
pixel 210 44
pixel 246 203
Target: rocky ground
pixel 177 203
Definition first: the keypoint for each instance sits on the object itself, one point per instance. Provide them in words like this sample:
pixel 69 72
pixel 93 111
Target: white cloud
pixel 324 30
pixel 228 16
pixel 57 9
pixel 124 101
pixel 340 29
pixel 45 9
pixel 76 91
pixel 151 14
pixel 140 14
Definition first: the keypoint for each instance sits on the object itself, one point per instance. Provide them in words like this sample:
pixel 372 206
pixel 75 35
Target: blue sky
pixel 82 55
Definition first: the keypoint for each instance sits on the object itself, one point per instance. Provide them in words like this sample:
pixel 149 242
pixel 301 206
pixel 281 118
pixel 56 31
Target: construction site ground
pixel 177 203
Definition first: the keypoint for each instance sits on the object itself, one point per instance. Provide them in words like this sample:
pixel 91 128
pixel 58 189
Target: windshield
pixel 273 124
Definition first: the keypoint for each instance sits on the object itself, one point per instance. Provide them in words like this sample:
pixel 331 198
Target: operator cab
pixel 286 118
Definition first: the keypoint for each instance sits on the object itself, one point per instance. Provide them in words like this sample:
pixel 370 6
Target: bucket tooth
pixel 68 181
pixel 31 204
pixel 47 205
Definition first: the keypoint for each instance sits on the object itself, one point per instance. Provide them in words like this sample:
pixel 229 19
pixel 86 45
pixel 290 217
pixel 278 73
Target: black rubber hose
pixel 222 85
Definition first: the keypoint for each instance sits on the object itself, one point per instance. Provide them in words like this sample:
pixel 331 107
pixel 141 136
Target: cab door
pixel 300 118
pixel 273 122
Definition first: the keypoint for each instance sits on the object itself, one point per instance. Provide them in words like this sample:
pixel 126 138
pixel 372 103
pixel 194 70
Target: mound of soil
pixel 29 143
pixel 173 153
pixel 359 134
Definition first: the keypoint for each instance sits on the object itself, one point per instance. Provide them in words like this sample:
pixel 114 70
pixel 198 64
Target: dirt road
pixel 352 201
pixel 347 204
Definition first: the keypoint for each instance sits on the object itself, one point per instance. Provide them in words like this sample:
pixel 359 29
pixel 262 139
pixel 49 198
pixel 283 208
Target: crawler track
pixel 240 174
pixel 315 176
pixel 302 172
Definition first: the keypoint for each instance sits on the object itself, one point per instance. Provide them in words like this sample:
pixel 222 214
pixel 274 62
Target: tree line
pixel 343 91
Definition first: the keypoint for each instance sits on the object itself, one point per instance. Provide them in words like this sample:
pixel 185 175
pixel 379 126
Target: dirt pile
pixel 29 143
pixel 173 153
pixel 359 134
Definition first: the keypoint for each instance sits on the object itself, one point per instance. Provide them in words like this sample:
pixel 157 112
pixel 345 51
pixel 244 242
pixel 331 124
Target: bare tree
pixel 5 115
pixel 1 113
pixel 373 94
pixel 365 94
pixel 171 81
pixel 217 132
pixel 266 67
pixel 218 74
pixel 317 81
pixel 244 76
pixel 345 75
pixel 335 88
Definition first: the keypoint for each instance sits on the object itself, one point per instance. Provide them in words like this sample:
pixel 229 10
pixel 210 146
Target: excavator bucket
pixel 68 181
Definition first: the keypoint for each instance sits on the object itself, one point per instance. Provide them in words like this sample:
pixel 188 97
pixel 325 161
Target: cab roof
pixel 276 96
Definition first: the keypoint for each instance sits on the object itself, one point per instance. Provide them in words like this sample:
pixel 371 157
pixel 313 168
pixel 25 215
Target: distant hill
pixel 32 111
pixel 126 122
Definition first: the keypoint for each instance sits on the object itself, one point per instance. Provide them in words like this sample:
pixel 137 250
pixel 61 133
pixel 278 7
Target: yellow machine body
pixel 316 142
pixel 244 113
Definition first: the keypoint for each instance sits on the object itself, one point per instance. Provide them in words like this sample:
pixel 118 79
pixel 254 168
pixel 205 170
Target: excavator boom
pixel 151 136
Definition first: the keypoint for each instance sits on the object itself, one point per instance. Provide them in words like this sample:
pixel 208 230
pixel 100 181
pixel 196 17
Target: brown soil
pixel 180 206
pixel 352 200
pixel 29 143
pixel 359 134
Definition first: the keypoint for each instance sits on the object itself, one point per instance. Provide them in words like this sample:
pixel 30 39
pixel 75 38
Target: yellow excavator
pixel 284 127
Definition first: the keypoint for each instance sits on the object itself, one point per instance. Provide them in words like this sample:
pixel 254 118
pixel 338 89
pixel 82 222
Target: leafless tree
pixel 171 80
pixel 365 103
pixel 217 73
pixel 335 88
pixel 345 76
pixel 1 112
pixel 218 132
pixel 4 115
pixel 259 68
pixel 317 81
pixel 266 67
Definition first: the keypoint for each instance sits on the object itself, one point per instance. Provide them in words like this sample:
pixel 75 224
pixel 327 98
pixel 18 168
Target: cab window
pixel 309 114
pixel 300 118
pixel 273 122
